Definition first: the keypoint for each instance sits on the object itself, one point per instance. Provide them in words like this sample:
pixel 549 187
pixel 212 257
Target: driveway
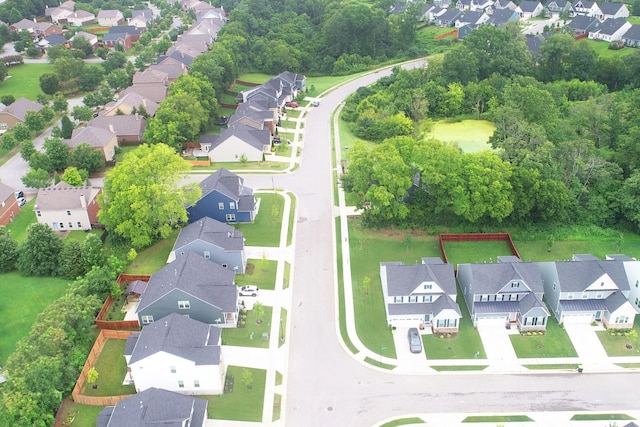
pixel 497 346
pixel 587 345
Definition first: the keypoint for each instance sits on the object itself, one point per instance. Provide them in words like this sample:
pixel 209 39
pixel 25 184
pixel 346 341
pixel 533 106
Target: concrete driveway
pixel 497 345
pixel 587 345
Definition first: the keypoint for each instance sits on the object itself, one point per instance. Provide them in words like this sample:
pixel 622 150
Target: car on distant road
pixel 291 104
pixel 415 342
pixel 316 103
pixel 249 290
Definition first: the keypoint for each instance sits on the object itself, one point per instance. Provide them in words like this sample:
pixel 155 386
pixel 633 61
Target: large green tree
pixel 143 200
pixel 39 252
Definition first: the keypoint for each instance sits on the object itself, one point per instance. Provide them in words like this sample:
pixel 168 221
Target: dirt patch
pixel 250 269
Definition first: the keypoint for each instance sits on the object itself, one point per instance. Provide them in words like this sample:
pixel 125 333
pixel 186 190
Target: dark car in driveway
pixel 415 342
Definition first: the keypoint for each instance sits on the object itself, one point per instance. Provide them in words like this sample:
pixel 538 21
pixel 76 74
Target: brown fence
pixel 200 162
pixel 476 237
pixel 227 105
pixel 128 278
pixel 244 83
pixel 581 36
pixel 95 30
pixel 453 33
pixel 82 379
pixel 119 324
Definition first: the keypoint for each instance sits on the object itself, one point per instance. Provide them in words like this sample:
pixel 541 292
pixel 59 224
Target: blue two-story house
pixel 224 198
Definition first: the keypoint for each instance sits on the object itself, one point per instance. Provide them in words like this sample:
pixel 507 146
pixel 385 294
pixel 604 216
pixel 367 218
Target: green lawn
pixel 259 78
pixel 80 236
pixel 287 275
pixel 496 419
pixel 341 303
pixel 403 422
pixel 469 135
pixel 23 298
pixel 18 228
pixel 554 343
pixel 265 230
pixel 259 272
pixel 603 51
pixel 475 252
pixel 24 80
pixel 242 166
pixel 112 369
pixel 251 335
pixel 242 404
pixel 77 415
pixel 601 417
pixel 553 366
pixel 154 257
pixel 467 344
pixel 122 151
pixel 634 20
pixel 378 363
pixel 368 248
pixel 446 368
pixel 616 344
pixel 283 327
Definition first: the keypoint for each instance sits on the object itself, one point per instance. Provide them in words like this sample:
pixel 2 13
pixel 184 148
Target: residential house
pixel 224 198
pixel 99 138
pixel 52 40
pixel 8 204
pixel 430 11
pixel 184 56
pixel 254 115
pixel 80 18
pixel 448 18
pixel 632 268
pixel 129 102
pixel 140 18
pixel 122 35
pixel 59 14
pixel 500 17
pixel 151 83
pixel 292 83
pixel 588 289
pixel 443 3
pixel 421 295
pixel 176 353
pixel 208 38
pixel 614 10
pixel 583 24
pixel 534 42
pixel 91 38
pixel 16 112
pixel 172 68
pixel 473 5
pixel 398 8
pixel 611 30
pixel 465 30
pixel 472 18
pixel 557 8
pixel 24 24
pixel 129 130
pixel 146 13
pixel 504 4
pixel 191 286
pixel 44 29
pixel 528 9
pixel 213 240
pixel 276 90
pixel 189 47
pixel 505 293
pixel 588 8
pixel 238 142
pixel 67 208
pixel 110 18
pixel 632 37
pixel 155 406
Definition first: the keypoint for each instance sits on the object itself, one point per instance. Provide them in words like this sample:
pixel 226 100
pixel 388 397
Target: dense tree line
pixel 565 142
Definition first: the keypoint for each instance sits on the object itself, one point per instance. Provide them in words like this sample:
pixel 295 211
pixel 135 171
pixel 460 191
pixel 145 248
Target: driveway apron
pixel 586 343
pixel 497 344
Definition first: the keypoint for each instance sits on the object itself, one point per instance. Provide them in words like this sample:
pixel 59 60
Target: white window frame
pixel 196 383
pixel 146 319
pixel 68 212
pixel 207 254
pixel 221 206
pixel 232 205
pixel 230 218
pixel 173 369
pixel 184 305
pixel 180 384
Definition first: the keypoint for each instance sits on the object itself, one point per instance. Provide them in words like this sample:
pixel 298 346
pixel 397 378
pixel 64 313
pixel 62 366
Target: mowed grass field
pixel 24 80
pixel 469 135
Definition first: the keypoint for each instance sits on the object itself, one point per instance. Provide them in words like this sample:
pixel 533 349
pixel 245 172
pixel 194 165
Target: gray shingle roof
pixel 576 276
pixel 64 196
pixel 632 33
pixel 225 182
pixel 531 301
pixel 257 138
pixel 196 276
pixel 615 301
pixel 94 136
pixel 492 277
pixel 154 407
pixel 20 107
pixel 402 279
pixel 611 25
pixel 610 8
pixel 181 336
pixel 569 305
pixel 528 5
pixel 501 16
pixel 5 192
pixel 122 125
pixel 211 231
pixel 582 22
pixel 173 71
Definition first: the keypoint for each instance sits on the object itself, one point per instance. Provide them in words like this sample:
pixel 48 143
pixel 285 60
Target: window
pixel 515 284
pixel 207 255
pixel 600 295
pixel 427 286
pixel 147 319
pixel 79 224
pixel 221 205
pixel 68 212
pixel 585 295
pixel 196 383
pixel 499 297
pixel 622 319
pixel 38 213
pixel 637 302
pixel 3 125
pixel 413 298
pixel 181 384
pixel 232 205
pixel 61 225
pixel 184 305
pixel 427 298
pixel 224 265
pixel 173 369
pixel 231 217
pixel 570 295
pixel 70 224
pixel 397 299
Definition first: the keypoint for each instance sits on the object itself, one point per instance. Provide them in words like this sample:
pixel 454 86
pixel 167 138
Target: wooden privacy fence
pixel 119 324
pixel 205 163
pixel 453 33
pixel 244 83
pixel 103 336
pixel 476 237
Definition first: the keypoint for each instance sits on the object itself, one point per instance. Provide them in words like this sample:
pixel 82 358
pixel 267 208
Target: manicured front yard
pixel 112 369
pixel 554 343
pixel 475 252
pixel 259 272
pixel 154 257
pixel 243 403
pixel 618 344
pixel 23 298
pixel 251 334
pixel 265 230
pixel 24 80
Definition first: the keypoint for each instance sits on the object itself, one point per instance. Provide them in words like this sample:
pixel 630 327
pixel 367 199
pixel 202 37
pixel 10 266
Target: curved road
pixel 326 386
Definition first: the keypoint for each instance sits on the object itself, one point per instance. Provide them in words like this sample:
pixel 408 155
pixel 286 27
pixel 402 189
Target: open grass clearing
pixel 618 344
pixel 75 415
pixel 112 368
pixel 603 51
pixel 243 403
pixel 470 136
pixel 446 368
pixel 403 422
pixel 259 78
pixel 554 343
pixel 496 419
pixel 18 227
pixel 251 334
pixel 265 229
pixel 24 80
pixel 154 257
pixel 475 252
pixel 601 417
pixel 259 272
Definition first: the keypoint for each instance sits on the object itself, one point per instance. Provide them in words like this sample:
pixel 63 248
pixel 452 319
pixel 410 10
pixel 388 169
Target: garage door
pixel 577 318
pixel 492 321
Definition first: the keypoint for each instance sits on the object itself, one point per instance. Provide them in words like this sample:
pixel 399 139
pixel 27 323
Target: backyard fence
pixel 77 395
pixel 244 83
pixel 476 237
pixel 119 324
pixel 205 163
pixel 453 33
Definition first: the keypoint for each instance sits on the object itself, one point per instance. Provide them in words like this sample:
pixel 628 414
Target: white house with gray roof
pixel 191 286
pixel 611 30
pixel 67 208
pixel 614 10
pixel 238 142
pixel 154 407
pixel 213 240
pixel 505 293
pixel 421 295
pixel 588 289
pixel 176 353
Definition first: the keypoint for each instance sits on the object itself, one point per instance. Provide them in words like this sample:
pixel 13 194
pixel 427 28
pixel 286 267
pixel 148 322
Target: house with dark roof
pixel 213 240
pixel 123 35
pixel 16 112
pixel 154 407
pixel 255 115
pixel 8 204
pixel 238 142
pixel 465 30
pixel 588 8
pixel 131 101
pixel 500 17
pixel 508 292
pixel 176 353
pixel 100 138
pixel 583 24
pixel 632 37
pixel 191 286
pixel 534 42
pixel 67 208
pixel 280 89
pixel 183 57
pixel 91 38
pixel 503 4
pixel 588 289
pixel 614 10
pixel 448 18
pixel 430 11
pixel 611 30
pixel 52 40
pixel 443 3
pixel 555 8
pixel 472 18
pixel 224 198
pixel 473 5
pixel 528 9
pixel 421 295
pixel 129 130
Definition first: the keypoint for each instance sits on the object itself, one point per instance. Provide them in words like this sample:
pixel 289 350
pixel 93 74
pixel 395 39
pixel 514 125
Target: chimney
pixel 111 128
pixel 83 201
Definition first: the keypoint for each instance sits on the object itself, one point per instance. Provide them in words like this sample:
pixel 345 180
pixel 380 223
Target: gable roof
pixel 181 336
pixel 501 16
pixel 20 107
pixel 85 35
pixel 82 14
pixel 403 279
pixel 24 24
pixel 211 231
pixel 64 196
pixel 611 25
pixel 196 276
pixel 490 278
pixel 610 8
pixel 150 75
pixel 472 16
pixel 259 139
pixel 576 276
pixel 225 182
pixel 124 29
pixel 153 407
pixel 583 22
pixel 55 39
pixel 450 15
pixel 121 125
pixel 632 33
pixel 528 5
pixel 173 71
pixel 5 191
pixel 96 137
pixel 585 4
pixel 147 13
pixel 110 14
pixel 131 97
pixel 561 4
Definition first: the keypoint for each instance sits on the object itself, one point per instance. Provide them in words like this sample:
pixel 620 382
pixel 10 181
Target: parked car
pixel 415 342
pixel 19 194
pixel 249 290
pixel 22 201
pixel 316 103
pixel 291 104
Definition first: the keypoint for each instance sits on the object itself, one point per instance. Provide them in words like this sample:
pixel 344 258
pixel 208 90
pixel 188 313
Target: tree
pixel 247 378
pixel 27 150
pixel 8 141
pixel 366 284
pixel 114 61
pixel 142 200
pixel 36 178
pixel 58 152
pixel 258 311
pixel 22 133
pixel 100 280
pixel 49 83
pixel 92 376
pixel 82 113
pixel 85 157
pixel 67 68
pixel 70 260
pixel 39 160
pixel 66 129
pixel 7 99
pixel 82 44
pixel 118 79
pixel 34 121
pixel 8 251
pixel 39 252
pixel 60 102
pixel 91 77
pixel 75 177
pixel 92 255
